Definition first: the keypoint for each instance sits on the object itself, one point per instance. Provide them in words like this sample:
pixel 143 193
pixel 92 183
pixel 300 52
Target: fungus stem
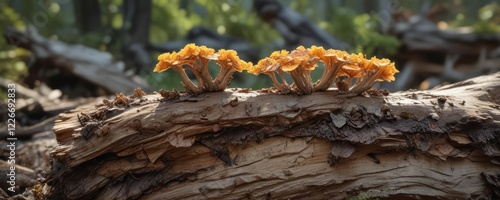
pixel 283 79
pixel 328 76
pixel 221 76
pixel 277 84
pixel 207 79
pixel 302 79
pixel 195 72
pixel 189 85
pixel 225 80
pixel 366 83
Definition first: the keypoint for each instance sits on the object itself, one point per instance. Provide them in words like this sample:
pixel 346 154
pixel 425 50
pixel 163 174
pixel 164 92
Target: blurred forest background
pixel 376 28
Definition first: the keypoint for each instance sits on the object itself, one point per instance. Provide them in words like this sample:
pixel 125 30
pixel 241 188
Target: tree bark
pixel 88 15
pixel 239 144
pixel 137 20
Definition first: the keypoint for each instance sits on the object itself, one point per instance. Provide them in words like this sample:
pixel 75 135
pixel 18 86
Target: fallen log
pixel 40 109
pixel 21 170
pixel 449 54
pixel 241 144
pixel 17 178
pixel 89 64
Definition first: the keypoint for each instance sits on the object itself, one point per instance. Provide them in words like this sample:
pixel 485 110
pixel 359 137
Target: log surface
pixel 240 144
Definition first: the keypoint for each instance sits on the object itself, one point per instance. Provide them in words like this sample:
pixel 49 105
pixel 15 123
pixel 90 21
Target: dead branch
pixel 89 64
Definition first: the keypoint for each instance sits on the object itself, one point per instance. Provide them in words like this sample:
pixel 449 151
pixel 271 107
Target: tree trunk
pixel 239 144
pixel 137 20
pixel 88 15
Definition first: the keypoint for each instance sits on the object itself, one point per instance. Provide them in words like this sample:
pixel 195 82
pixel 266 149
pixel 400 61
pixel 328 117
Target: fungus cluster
pixel 362 73
pixel 352 73
pixel 195 59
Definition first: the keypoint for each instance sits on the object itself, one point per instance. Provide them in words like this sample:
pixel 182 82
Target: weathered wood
pixel 89 64
pixel 23 177
pixel 35 153
pixel 424 47
pixel 44 108
pixel 238 144
pixel 21 91
pixel 32 158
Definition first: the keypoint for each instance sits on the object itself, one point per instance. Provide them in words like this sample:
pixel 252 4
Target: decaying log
pixel 31 159
pixel 92 65
pixel 241 144
pixel 24 177
pixel 36 112
pixel 35 153
pixel 450 55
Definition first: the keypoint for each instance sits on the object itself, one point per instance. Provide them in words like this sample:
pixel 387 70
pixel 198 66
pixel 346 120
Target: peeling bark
pixel 240 144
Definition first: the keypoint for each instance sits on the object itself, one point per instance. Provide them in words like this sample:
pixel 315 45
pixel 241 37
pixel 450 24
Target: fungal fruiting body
pixel 300 62
pixel 352 73
pixel 195 59
pixel 370 71
pixel 272 67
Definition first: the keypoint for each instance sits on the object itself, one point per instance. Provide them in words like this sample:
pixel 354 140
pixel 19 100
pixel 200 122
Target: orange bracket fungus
pixel 368 72
pixel 195 59
pixel 352 73
pixel 300 62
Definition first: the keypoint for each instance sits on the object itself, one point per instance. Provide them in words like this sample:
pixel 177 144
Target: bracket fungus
pixel 367 72
pixel 352 73
pixel 300 62
pixel 195 59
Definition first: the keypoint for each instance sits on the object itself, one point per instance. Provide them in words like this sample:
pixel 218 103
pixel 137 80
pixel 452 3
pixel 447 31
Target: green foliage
pixel 13 68
pixel 342 24
pixel 369 39
pixel 459 20
pixel 168 22
pixel 359 30
pixel 235 18
pixel 9 17
pixel 167 80
pixel 488 19
pixel 486 27
pixel 111 13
